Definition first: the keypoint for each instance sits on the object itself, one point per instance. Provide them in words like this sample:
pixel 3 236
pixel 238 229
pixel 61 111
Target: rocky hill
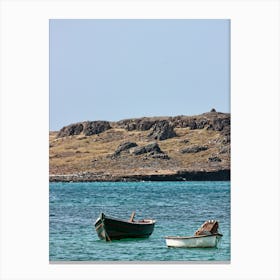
pixel 156 148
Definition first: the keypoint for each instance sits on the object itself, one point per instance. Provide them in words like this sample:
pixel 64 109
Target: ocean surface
pixel 179 208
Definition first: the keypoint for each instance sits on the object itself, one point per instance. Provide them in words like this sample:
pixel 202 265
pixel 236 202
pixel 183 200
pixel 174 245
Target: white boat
pixel 199 241
pixel 206 236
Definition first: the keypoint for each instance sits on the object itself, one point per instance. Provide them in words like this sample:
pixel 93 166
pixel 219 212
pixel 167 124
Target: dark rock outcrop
pixel 95 127
pixel 153 147
pixel 198 122
pixel 86 128
pixel 220 124
pixel 194 149
pixel 144 125
pixel 139 151
pixel 152 151
pixel 162 130
pixel 124 147
pixel 72 129
pixel 214 159
pixel 136 124
pixel 159 156
pixel 211 120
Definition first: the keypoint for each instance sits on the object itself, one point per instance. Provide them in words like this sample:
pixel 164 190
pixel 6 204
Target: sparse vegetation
pixel 92 156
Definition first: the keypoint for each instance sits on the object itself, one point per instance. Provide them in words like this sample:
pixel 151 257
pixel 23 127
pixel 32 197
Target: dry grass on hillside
pixel 75 154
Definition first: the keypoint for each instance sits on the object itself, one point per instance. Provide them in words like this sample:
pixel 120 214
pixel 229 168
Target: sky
pixel 117 69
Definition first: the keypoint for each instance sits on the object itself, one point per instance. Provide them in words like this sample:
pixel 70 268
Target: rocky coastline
pixel 180 148
pixel 219 175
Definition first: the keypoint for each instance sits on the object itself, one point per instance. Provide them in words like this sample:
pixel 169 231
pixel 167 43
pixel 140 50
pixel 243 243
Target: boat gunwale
pixel 137 222
pixel 191 237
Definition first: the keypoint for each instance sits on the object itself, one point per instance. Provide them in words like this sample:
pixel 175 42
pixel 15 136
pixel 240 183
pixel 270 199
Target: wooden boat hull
pixel 201 241
pixel 109 228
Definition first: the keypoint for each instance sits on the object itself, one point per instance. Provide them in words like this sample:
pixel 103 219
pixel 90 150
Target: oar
pixel 132 216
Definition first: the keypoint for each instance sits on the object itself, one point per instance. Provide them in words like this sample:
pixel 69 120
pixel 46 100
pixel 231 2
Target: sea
pixel 179 208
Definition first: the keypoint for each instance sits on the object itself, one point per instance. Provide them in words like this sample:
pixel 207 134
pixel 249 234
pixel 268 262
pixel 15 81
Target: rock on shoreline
pixel 220 175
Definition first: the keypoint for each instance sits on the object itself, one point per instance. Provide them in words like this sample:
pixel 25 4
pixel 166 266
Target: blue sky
pixel 117 69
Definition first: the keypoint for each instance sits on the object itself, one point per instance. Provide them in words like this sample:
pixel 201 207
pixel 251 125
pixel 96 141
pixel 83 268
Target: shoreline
pixel 220 175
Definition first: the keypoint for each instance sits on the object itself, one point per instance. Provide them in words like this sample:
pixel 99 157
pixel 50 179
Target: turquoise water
pixel 179 208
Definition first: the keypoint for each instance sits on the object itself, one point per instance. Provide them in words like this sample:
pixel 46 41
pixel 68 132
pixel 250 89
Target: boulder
pixel 150 148
pixel 139 151
pixel 153 147
pixel 194 149
pixel 124 147
pixel 151 151
pixel 96 127
pixel 87 128
pixel 214 159
pixel 130 126
pixel 72 129
pixel 159 156
pixel 220 124
pixel 136 124
pixel 192 124
pixel 202 123
pixel 144 125
pixel 162 130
